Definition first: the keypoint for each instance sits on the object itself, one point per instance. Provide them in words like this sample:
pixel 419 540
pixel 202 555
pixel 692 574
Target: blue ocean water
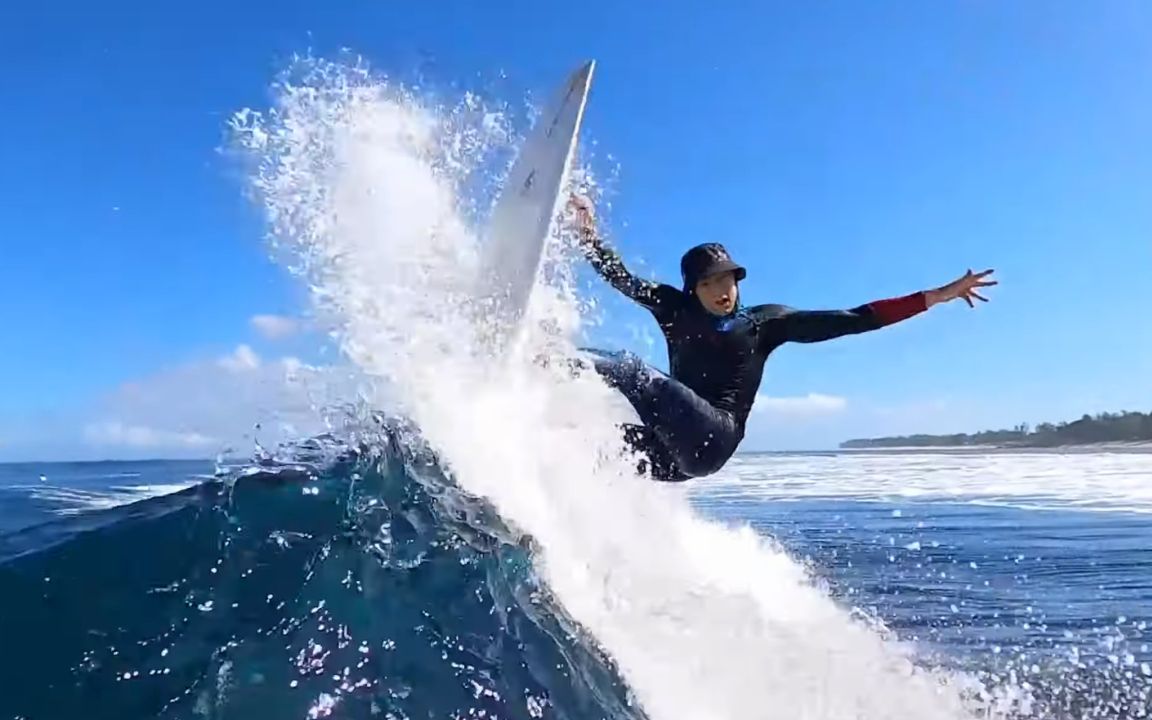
pixel 1058 600
pixel 358 582
pixel 286 589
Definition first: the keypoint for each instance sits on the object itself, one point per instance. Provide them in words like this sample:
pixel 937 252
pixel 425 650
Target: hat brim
pixel 722 267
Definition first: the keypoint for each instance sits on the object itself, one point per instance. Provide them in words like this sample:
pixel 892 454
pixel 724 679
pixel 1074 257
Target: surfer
pixel 693 419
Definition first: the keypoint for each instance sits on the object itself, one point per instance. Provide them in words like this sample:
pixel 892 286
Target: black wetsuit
pixel 694 420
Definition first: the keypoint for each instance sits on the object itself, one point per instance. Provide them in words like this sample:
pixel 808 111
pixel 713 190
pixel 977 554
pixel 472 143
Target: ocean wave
pixel 360 581
pixel 368 587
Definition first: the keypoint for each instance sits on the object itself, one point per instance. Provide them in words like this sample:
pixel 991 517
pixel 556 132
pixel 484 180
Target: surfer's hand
pixel 585 218
pixel 963 288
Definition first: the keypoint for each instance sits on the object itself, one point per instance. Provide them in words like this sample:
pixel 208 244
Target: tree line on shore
pixel 1123 426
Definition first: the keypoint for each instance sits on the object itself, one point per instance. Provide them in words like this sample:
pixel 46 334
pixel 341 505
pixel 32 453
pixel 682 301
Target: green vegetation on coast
pixel 1103 428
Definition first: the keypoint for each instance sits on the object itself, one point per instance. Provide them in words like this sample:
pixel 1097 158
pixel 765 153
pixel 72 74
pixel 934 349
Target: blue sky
pixel 843 151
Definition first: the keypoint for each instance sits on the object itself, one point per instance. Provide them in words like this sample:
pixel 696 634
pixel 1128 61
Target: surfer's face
pixel 717 293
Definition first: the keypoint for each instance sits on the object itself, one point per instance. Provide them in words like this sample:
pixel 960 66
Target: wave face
pixel 370 587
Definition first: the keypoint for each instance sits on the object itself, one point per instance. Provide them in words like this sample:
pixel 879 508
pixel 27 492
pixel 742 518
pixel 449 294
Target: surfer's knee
pixel 652 456
pixel 668 474
pixel 697 469
pixel 664 463
pixel 659 466
pixel 704 459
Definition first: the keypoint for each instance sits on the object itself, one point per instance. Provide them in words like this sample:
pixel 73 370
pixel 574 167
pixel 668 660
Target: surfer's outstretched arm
pixel 783 324
pixel 607 263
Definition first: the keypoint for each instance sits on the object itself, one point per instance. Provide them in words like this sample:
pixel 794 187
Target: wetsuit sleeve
pixel 780 324
pixel 657 297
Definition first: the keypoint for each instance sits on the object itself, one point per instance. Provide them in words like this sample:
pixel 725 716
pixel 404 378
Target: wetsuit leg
pixel 655 456
pixel 696 437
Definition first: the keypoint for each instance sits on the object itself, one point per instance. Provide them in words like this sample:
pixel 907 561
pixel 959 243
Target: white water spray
pixel 362 183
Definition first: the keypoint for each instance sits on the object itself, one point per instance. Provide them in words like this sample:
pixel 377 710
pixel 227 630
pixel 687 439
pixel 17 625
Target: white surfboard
pixel 522 219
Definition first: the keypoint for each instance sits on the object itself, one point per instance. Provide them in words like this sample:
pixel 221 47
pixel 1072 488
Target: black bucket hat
pixel 707 259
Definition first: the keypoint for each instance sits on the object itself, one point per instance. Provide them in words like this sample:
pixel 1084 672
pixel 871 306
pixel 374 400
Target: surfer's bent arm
pixel 782 324
pixel 609 266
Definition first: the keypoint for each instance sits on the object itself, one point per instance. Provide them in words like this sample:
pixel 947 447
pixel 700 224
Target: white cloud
pixel 820 421
pixel 242 358
pixel 810 405
pixel 275 327
pixel 200 408
pixel 117 434
pixel 798 422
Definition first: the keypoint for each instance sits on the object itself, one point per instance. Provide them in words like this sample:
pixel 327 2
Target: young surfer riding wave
pixel 694 418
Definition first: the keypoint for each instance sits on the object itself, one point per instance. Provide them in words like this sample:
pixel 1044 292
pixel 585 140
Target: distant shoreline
pixel 1121 430
pixel 1105 445
pixel 1134 448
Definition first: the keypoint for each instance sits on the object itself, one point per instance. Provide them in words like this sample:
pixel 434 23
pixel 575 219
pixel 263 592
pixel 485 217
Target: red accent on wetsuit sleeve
pixel 893 310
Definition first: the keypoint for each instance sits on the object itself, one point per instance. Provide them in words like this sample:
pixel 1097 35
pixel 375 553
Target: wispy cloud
pixel 242 358
pixel 810 405
pixel 797 422
pixel 202 407
pixel 275 327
